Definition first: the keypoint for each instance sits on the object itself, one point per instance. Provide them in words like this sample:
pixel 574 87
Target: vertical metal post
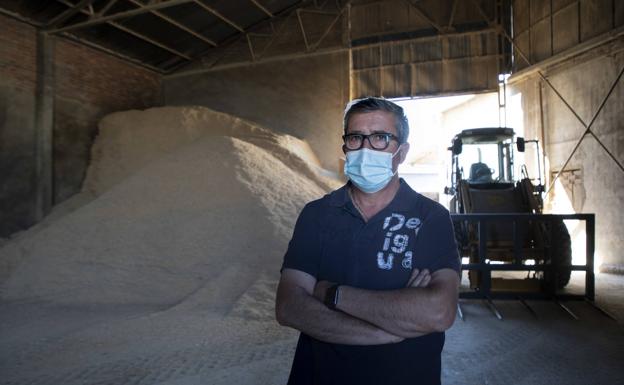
pixel 552 31
pixel 501 103
pixel 539 168
pixel 486 274
pixel 529 61
pixel 552 271
pixel 542 133
pixel 380 69
pixel 516 243
pixel 351 82
pixel 590 289
pixel 44 124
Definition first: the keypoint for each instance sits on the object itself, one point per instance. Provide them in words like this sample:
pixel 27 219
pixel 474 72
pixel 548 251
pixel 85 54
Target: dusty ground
pixel 242 344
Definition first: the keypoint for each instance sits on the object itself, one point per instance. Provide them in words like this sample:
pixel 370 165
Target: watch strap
pixel 332 296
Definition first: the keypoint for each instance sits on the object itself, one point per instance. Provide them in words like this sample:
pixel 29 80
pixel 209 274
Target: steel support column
pixel 44 125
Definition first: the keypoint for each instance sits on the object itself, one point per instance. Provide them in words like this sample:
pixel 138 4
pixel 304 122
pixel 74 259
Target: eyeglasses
pixel 378 141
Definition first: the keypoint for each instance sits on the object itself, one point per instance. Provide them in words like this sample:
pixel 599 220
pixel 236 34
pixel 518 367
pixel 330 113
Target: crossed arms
pixel 427 304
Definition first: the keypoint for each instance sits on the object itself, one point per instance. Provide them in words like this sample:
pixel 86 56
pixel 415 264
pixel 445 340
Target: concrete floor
pixel 45 344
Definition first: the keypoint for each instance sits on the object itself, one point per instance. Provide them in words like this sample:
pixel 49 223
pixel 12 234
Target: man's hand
pixel 419 278
pixel 320 290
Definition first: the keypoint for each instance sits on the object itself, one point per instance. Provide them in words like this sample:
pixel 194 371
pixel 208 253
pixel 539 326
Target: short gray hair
pixel 370 104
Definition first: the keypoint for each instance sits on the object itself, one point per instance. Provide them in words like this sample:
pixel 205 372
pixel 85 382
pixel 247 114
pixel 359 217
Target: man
pixel 370 277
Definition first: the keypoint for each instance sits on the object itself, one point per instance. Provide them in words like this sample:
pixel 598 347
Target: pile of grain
pixel 182 200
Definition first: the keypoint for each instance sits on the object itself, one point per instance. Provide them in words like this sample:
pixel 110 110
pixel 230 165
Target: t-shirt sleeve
pixel 303 251
pixel 437 237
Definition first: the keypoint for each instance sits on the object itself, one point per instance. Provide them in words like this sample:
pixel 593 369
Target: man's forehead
pixel 373 121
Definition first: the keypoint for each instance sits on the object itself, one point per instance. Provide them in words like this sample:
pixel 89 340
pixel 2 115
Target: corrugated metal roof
pixel 171 35
pixel 160 34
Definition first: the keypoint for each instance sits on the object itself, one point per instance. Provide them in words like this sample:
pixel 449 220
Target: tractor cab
pixel 483 159
pixel 484 156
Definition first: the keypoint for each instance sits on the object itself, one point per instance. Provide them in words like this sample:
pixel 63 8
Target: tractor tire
pixel 461 236
pixel 561 254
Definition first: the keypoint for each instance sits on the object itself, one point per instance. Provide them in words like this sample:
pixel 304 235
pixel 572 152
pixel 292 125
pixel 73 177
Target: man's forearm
pixel 408 312
pixel 303 312
pixel 404 312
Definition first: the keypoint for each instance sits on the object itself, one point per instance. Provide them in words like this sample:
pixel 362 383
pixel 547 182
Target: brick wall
pixel 17 106
pixel 88 84
pixel 18 54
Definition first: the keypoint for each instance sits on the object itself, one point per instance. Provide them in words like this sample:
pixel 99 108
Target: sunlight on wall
pixel 559 202
pixel 515 114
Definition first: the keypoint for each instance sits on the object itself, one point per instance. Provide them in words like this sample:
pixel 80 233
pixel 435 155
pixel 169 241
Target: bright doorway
pixel 433 123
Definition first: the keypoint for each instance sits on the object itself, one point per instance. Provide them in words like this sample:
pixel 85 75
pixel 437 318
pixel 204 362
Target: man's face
pixel 377 122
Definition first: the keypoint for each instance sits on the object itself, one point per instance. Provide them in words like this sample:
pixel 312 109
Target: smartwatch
pixel 331 296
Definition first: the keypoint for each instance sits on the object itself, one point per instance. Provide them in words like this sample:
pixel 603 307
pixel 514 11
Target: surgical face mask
pixel 369 170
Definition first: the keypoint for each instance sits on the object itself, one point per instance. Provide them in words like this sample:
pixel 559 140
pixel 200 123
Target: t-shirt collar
pixel 403 200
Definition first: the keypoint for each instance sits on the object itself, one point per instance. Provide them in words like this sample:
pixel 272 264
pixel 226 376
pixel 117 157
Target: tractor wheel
pixel 561 254
pixel 461 235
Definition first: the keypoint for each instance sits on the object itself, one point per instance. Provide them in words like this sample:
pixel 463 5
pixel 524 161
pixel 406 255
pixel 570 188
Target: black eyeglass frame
pixel 387 135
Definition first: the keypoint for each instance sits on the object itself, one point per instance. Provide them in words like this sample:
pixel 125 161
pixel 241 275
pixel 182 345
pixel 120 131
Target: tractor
pixel 483 180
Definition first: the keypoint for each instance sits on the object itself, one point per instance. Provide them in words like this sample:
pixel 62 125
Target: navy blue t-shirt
pixel 332 242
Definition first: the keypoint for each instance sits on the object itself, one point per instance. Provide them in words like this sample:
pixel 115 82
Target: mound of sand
pixel 187 201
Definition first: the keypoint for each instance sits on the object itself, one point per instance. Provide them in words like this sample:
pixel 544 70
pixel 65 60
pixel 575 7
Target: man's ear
pixel 344 149
pixel 403 152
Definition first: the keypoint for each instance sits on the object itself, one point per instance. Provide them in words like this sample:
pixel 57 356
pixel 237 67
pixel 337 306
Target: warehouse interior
pixel 155 154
